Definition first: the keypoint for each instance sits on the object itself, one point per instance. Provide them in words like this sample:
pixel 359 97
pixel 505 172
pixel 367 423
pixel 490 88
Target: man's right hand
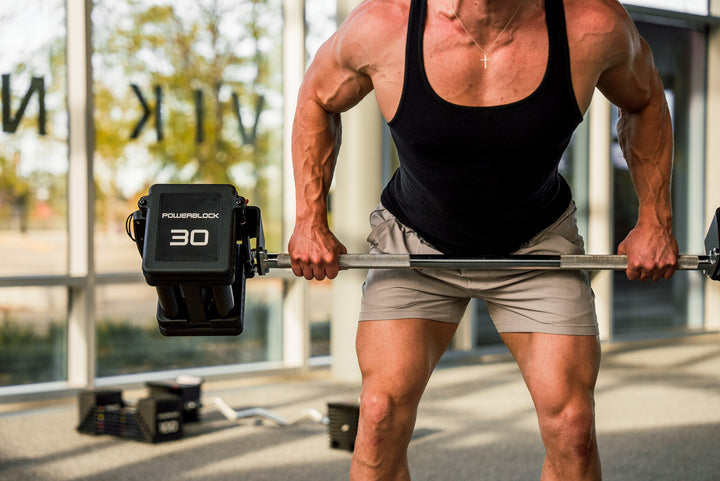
pixel 314 252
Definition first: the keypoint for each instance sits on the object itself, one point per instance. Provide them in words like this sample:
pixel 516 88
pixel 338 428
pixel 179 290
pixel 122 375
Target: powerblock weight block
pixel 161 418
pixel 712 245
pixel 154 419
pixel 100 412
pixel 195 246
pixel 189 395
pixel 343 424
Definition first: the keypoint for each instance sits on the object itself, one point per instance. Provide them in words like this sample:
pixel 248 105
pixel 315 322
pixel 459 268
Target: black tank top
pixel 482 180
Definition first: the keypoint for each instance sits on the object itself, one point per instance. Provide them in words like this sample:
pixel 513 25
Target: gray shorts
pixel 549 301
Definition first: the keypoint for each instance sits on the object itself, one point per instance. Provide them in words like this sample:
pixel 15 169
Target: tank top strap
pixel 414 67
pixel 558 49
pixel 416 29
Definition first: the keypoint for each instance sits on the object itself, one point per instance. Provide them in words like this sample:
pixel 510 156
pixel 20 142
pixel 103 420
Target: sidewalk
pixel 658 418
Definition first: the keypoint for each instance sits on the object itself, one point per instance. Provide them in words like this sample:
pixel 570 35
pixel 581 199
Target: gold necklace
pixel 485 52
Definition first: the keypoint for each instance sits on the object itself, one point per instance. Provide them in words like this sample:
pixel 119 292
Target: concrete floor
pixel 658 418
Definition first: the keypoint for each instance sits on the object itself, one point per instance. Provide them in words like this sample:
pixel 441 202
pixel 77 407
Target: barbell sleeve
pixel 589 262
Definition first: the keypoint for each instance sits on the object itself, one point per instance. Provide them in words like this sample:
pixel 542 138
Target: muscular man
pixel 481 97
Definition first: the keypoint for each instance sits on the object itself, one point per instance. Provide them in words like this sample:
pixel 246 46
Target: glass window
pixel 698 7
pixel 645 307
pixel 34 137
pixel 129 342
pixel 320 312
pixel 321 23
pixel 574 167
pixel 185 92
pixel 33 335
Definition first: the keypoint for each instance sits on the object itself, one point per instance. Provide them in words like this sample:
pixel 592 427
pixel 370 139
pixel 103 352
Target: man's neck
pixel 486 11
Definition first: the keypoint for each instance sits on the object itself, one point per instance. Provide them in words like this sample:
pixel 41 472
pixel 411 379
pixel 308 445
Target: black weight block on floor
pixel 189 394
pixel 161 418
pixel 343 425
pixel 154 419
pixel 100 411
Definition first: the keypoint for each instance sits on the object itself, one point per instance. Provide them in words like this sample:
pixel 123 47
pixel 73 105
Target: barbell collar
pixel 530 262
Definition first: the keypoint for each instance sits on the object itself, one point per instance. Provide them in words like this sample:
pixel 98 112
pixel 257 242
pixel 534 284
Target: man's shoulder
pixel 372 32
pixel 599 28
pixel 383 7
pixel 596 16
pixel 378 15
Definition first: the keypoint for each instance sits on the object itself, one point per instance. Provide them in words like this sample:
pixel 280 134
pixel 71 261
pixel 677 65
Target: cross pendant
pixel 485 60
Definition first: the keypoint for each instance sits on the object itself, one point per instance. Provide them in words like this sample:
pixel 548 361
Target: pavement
pixel 657 406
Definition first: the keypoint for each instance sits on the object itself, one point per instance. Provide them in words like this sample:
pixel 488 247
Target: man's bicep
pixel 333 80
pixel 631 79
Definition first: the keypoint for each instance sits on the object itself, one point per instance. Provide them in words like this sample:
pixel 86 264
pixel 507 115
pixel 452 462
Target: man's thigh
pixel 399 355
pixel 557 369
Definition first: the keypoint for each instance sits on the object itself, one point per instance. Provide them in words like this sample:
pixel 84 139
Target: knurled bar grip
pixel 569 262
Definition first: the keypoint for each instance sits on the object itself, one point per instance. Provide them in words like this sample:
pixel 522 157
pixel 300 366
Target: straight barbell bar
pixel 590 262
pixel 196 243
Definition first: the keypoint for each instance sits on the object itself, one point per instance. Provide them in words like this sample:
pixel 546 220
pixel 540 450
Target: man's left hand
pixel 652 253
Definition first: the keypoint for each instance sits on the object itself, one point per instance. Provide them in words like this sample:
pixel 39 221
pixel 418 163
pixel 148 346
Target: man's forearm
pixel 315 143
pixel 647 143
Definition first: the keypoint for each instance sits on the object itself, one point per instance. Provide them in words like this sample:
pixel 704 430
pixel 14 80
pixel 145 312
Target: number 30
pixel 182 237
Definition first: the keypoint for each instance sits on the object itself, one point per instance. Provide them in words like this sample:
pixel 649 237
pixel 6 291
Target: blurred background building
pixel 101 99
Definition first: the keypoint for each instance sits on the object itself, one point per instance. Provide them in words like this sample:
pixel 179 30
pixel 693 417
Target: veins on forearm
pixel 646 141
pixel 316 140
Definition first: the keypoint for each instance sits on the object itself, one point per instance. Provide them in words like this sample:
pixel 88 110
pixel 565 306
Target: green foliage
pixel 124 347
pixel 163 45
pixel 219 47
pixel 14 190
pixel 29 355
pixel 19 191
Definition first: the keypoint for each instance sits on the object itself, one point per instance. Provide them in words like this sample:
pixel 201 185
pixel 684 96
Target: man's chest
pixel 461 73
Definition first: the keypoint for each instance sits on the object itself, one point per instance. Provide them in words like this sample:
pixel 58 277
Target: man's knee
pixel 571 428
pixel 384 415
pixel 379 408
pixel 386 424
pixel 375 427
pixel 376 408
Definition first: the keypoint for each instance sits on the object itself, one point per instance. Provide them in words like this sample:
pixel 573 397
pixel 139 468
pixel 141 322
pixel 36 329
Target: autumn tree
pixel 208 72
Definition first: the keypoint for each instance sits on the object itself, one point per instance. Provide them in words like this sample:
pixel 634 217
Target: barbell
pixel 590 262
pixel 200 242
